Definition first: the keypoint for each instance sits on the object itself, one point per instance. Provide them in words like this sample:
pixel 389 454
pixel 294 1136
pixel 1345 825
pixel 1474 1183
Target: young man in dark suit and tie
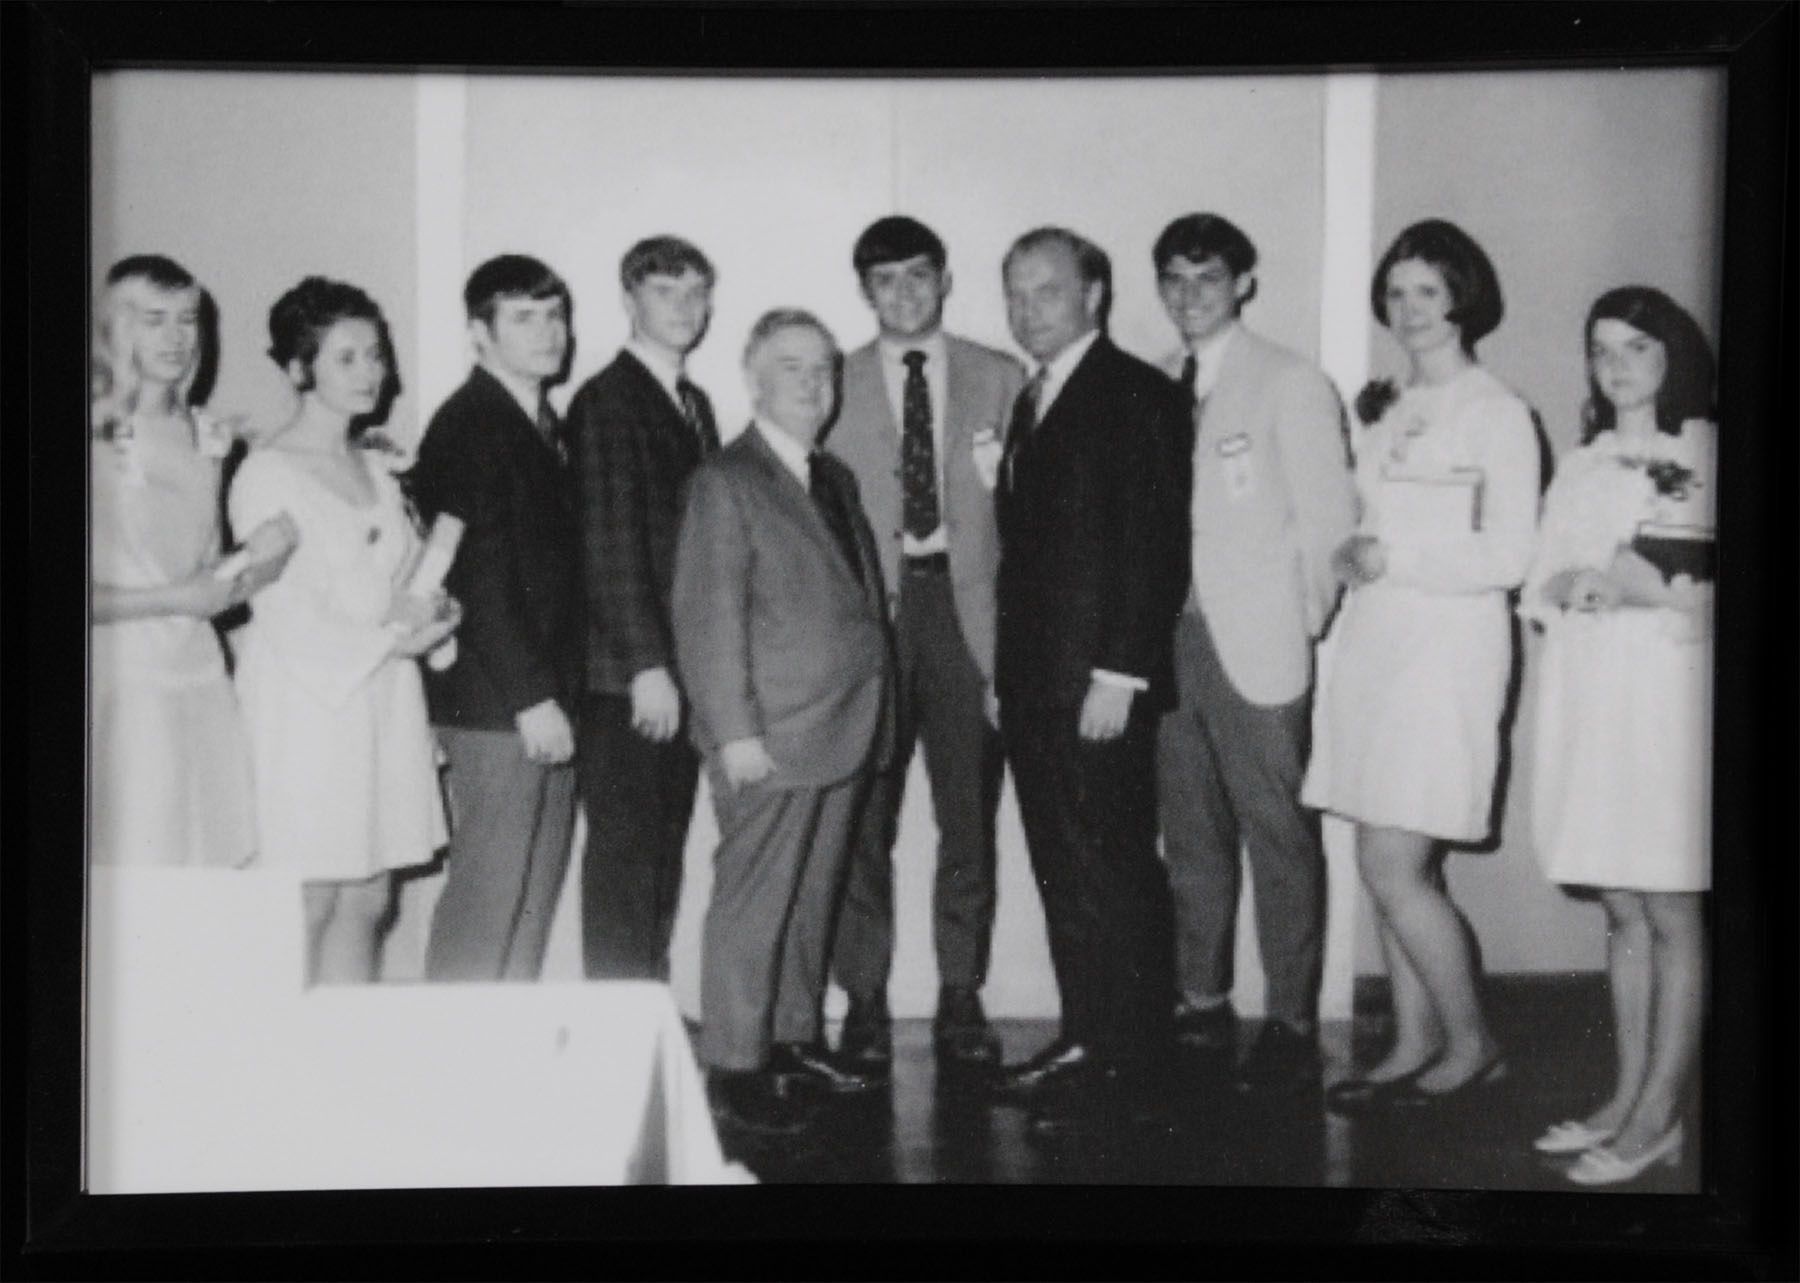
pixel 922 425
pixel 1273 497
pixel 638 430
pixel 492 456
pixel 781 639
pixel 1093 566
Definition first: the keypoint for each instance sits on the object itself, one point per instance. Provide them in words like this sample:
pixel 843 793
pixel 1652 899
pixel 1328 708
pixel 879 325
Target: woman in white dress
pixel 170 776
pixel 331 692
pixel 1407 730
pixel 1621 779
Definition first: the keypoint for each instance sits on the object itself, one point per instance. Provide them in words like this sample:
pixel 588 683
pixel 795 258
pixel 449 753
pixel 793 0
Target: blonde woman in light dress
pixel 169 774
pixel 332 695
pixel 1621 585
pixel 1407 726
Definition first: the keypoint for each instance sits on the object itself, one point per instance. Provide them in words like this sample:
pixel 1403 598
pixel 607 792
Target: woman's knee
pixel 1675 917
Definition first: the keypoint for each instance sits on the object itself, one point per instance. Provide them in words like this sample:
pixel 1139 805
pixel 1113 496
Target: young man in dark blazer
pixel 922 423
pixel 781 634
pixel 638 429
pixel 492 457
pixel 1093 568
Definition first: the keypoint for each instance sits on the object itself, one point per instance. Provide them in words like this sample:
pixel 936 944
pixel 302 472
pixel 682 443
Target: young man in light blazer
pixel 1272 497
pixel 923 425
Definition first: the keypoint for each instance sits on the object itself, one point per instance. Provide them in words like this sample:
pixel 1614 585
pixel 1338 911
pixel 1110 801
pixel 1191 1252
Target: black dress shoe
pixel 1472 1090
pixel 817 1067
pixel 960 1032
pixel 1207 1028
pixel 1355 1096
pixel 1061 1061
pixel 751 1101
pixel 867 1040
pixel 1283 1059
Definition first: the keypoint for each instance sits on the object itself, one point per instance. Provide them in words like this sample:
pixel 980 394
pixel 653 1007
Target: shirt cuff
pixel 1109 678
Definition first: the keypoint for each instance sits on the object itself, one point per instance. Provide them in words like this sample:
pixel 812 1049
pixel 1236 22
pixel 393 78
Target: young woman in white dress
pixel 1407 728
pixel 1621 779
pixel 169 773
pixel 332 695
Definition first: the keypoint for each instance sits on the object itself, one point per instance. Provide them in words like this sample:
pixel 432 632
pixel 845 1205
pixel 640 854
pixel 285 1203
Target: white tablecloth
pixel 210 1068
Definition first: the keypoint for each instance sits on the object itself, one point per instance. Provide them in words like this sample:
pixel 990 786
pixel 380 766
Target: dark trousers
pixel 639 797
pixel 1089 811
pixel 776 873
pixel 1228 781
pixel 941 702
pixel 511 826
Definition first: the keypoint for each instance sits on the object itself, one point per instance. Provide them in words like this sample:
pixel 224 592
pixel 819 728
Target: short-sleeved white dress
pixel 1621 775
pixel 339 734
pixel 169 774
pixel 1406 723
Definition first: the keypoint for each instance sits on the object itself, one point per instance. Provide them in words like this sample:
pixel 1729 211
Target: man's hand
pixel 1105 710
pixel 1359 560
pixel 549 739
pixel 746 762
pixel 990 703
pixel 655 705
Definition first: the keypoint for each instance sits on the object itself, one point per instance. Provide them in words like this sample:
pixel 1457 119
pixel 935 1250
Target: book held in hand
pixel 1678 550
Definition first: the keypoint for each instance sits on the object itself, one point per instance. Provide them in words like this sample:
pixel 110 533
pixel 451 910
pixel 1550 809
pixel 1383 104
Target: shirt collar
pixel 894 354
pixel 1209 356
pixel 1057 369
pixel 791 453
pixel 667 372
pixel 527 392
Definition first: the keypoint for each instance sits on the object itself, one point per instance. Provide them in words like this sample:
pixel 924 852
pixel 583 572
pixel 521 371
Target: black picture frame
pixel 1741 1226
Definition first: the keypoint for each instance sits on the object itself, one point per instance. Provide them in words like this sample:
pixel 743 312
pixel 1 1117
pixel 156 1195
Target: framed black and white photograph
pixel 1270 730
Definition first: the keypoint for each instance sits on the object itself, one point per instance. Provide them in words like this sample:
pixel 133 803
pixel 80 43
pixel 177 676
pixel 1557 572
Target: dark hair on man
pixel 157 269
pixel 510 276
pixel 1475 303
pixel 895 239
pixel 1687 385
pixel 775 320
pixel 1198 237
pixel 301 318
pixel 663 256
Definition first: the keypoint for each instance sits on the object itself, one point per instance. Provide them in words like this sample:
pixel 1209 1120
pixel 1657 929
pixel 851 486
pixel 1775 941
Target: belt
pixel 932 563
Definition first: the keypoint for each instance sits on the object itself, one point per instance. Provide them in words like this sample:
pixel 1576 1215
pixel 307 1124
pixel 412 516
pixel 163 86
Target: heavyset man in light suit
pixel 1272 497
pixel 781 643
pixel 922 426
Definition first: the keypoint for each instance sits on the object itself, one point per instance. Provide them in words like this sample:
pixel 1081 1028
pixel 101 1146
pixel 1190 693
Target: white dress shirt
pixel 796 456
pixel 1208 358
pixel 893 379
pixel 667 372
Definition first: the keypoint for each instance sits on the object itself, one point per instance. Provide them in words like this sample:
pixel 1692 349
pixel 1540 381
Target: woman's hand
pixel 427 636
pixel 1359 560
pixel 1591 591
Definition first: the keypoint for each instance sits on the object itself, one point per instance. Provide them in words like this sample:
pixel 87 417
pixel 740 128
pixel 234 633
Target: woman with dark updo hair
pixel 1621 586
pixel 1407 736
pixel 340 739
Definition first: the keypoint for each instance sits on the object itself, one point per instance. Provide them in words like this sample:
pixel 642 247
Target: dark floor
pixel 1556 1030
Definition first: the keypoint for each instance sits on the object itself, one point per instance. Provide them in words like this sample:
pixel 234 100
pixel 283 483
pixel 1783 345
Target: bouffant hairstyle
pixel 1475 303
pixel 301 318
pixel 1687 385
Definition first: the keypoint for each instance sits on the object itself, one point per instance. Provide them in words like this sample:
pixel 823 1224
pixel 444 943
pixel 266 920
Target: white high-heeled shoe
pixel 1601 1166
pixel 1570 1138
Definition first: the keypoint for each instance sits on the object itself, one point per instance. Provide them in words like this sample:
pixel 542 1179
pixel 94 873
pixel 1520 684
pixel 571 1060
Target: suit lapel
pixel 958 404
pixel 791 497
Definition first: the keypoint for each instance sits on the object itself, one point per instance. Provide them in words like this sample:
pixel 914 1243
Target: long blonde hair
pixel 114 381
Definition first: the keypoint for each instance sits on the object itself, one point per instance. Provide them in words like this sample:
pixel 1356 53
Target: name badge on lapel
pixel 1235 462
pixel 987 450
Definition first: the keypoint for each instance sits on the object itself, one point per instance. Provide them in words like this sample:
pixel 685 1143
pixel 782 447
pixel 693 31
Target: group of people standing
pixel 1108 576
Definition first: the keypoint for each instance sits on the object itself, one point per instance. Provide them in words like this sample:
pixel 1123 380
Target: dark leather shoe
pixel 1208 1029
pixel 1356 1096
pixel 960 1033
pixel 1062 1060
pixel 867 1041
pixel 1283 1059
pixel 752 1102
pixel 818 1067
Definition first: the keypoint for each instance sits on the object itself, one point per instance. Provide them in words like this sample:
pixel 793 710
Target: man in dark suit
pixel 639 428
pixel 923 422
pixel 492 457
pixel 1093 567
pixel 780 633
pixel 1272 500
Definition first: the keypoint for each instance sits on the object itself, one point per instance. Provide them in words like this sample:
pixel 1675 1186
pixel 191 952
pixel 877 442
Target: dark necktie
pixel 548 429
pixel 918 456
pixel 831 506
pixel 697 420
pixel 1190 375
pixel 1024 420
